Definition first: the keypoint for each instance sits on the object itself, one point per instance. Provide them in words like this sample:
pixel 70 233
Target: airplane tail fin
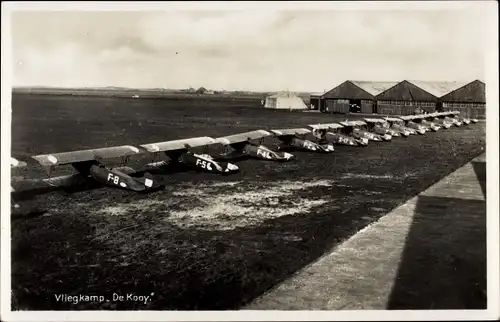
pixel 151 181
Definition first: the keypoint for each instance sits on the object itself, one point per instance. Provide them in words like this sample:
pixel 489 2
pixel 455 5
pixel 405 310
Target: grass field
pixel 206 241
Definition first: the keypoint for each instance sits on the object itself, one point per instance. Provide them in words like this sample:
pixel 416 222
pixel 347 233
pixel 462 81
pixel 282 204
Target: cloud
pixel 179 29
pixel 259 50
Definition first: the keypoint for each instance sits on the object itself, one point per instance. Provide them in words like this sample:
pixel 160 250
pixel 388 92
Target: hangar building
pixel 411 97
pixel 469 99
pixel 316 101
pixel 354 97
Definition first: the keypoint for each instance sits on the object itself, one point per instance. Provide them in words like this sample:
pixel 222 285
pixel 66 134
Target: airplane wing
pixel 178 144
pixel 290 132
pixel 14 163
pixel 325 126
pixel 85 155
pixel 242 137
pixel 352 123
pixel 393 119
pixel 369 120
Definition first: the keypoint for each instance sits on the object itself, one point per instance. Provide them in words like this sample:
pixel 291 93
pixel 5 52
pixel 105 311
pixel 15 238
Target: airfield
pixel 206 242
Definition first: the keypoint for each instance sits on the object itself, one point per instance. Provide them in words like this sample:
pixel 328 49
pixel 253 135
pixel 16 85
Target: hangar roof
pixel 437 88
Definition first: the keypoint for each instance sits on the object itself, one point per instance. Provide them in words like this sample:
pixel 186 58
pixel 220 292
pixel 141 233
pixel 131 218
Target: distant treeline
pixel 145 93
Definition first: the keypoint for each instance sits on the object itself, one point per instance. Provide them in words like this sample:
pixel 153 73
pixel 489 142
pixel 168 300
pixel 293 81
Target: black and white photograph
pixel 249 161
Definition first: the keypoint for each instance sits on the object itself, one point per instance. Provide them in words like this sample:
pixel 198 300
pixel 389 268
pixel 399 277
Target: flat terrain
pixel 206 241
pixel 428 253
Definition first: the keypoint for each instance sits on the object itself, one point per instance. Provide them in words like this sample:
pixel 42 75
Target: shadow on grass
pixel 444 260
pixel 480 170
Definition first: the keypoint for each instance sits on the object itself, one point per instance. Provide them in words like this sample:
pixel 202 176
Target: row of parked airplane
pixel 316 138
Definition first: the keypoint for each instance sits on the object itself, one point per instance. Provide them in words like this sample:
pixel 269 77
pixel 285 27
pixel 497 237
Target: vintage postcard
pixel 249 161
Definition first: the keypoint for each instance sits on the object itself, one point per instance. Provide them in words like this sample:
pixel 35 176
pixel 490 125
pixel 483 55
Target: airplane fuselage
pixel 431 125
pixel 404 131
pixel 465 121
pixel 417 127
pixel 454 121
pixel 443 123
pixel 359 133
pixel 116 178
pixel 206 163
pixel 310 146
pixel 337 138
pixel 263 152
pixel 392 132
pixel 377 129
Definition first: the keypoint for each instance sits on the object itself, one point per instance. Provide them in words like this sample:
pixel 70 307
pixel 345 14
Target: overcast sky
pixel 262 50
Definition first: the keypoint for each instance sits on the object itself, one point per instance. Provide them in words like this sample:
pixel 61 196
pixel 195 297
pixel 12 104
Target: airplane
pixel 27 208
pixel 243 144
pixel 89 164
pixel 178 153
pixel 422 119
pixel 356 129
pixel 419 128
pixel 16 164
pixel 330 133
pixel 435 117
pixel 398 125
pixel 380 126
pixel 464 120
pixel 450 117
pixel 295 138
pixel 18 186
pixel 470 120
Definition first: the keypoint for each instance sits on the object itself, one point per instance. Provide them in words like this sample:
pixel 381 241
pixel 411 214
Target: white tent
pixel 285 101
